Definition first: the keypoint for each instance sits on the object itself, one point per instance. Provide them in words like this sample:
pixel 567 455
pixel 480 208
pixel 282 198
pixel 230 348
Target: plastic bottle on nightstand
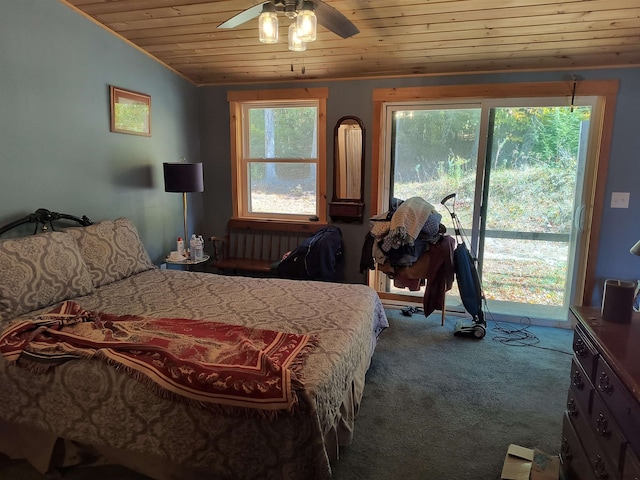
pixel 197 248
pixel 180 246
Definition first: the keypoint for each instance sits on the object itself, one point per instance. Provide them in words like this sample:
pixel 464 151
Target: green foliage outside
pixel 525 199
pixel 538 275
pixel 283 133
pixel 534 154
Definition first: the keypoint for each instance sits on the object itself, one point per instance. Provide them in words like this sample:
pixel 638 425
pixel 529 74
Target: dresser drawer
pixel 575 464
pixel 607 431
pixel 581 386
pixel 585 352
pixel 620 403
pixel 631 469
pixel 602 468
pixel 575 407
pixel 600 464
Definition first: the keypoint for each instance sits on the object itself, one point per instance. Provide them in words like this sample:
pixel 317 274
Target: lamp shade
pixel 183 177
pixel 636 248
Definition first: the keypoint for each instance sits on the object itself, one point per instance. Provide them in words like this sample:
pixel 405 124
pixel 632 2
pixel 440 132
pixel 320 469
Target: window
pixel 526 162
pixel 278 148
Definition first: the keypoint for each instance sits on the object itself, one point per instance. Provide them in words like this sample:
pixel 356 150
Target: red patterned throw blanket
pixel 205 362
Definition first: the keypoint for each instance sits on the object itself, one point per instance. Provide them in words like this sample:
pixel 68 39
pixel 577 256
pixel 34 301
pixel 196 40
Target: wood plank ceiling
pixel 397 38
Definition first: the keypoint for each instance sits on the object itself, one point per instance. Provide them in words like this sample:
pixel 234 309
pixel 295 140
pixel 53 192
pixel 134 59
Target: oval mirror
pixel 348 170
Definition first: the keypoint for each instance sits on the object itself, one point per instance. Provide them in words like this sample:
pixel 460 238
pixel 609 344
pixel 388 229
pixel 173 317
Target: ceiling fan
pixel 327 16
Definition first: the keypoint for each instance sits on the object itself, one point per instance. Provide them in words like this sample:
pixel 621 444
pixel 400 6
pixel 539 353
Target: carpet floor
pixel 435 406
pixel 439 407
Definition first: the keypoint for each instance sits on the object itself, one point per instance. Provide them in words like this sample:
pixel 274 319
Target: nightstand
pixel 187 263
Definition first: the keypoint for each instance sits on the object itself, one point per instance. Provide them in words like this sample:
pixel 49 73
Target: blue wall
pixel 56 148
pixel 620 227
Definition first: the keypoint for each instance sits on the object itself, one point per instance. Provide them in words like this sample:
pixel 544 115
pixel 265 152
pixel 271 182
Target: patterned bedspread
pixel 92 403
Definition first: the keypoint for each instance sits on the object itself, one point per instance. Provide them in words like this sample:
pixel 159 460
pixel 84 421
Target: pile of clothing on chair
pixel 409 244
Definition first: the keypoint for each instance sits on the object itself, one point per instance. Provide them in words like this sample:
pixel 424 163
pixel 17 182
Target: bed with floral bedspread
pixel 87 408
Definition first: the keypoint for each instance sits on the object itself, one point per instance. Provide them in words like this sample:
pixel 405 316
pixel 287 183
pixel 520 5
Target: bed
pixel 83 409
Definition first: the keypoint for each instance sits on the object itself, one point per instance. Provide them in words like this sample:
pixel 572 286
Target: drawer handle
pixel 580 347
pixel 576 380
pixel 604 384
pixel 602 426
pixel 572 410
pixel 600 469
pixel 565 450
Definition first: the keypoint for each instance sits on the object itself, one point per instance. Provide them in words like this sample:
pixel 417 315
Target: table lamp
pixel 183 178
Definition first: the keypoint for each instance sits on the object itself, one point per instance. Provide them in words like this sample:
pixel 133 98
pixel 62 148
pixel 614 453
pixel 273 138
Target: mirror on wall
pixel 348 170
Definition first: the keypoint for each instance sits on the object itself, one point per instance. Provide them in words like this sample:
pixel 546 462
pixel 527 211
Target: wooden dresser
pixel 601 425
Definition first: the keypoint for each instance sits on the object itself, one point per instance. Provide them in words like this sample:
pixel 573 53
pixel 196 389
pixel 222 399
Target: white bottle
pixel 199 248
pixel 192 247
pixel 180 246
pixel 196 248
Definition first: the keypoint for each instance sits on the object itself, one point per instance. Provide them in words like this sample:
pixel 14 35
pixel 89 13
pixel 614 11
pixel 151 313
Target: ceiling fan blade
pixel 242 17
pixel 333 20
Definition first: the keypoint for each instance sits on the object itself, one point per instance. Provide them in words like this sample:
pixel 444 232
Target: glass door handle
pixel 578 218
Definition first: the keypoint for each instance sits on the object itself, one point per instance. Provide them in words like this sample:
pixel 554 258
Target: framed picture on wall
pixel 130 112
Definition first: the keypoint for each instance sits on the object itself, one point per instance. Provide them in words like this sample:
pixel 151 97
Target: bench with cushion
pixel 253 246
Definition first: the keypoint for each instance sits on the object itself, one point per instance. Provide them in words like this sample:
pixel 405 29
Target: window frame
pixel 605 90
pixel 238 103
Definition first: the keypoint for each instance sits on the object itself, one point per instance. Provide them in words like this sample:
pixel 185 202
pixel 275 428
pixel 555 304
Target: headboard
pixel 42 217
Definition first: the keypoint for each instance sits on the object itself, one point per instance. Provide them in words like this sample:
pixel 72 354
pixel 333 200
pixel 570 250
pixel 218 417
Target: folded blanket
pixel 379 225
pixel 204 362
pixel 406 223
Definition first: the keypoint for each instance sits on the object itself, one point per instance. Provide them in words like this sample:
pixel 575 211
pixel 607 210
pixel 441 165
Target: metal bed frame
pixel 44 218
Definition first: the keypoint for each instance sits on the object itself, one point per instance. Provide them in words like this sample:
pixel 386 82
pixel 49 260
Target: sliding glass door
pixel 517 168
pixel 528 238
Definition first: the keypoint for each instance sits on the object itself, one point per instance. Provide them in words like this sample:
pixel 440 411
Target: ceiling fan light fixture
pixel 307 22
pixel 295 44
pixel 268 24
